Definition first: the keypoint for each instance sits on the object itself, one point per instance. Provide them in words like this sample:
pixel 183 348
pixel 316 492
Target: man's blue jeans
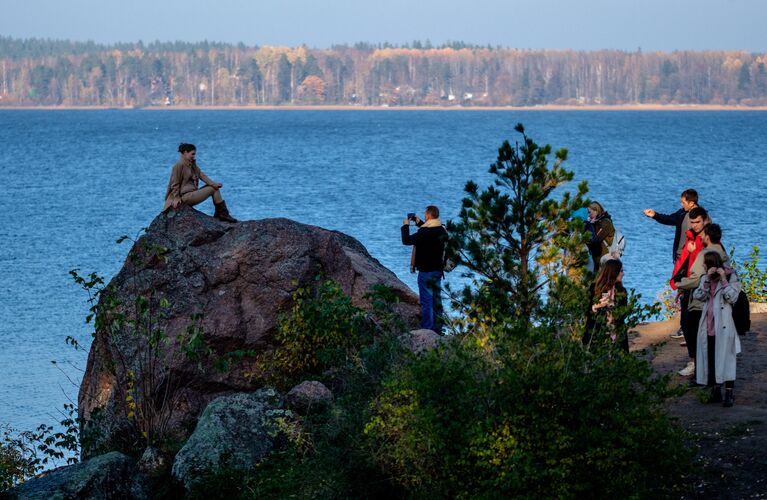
pixel 430 295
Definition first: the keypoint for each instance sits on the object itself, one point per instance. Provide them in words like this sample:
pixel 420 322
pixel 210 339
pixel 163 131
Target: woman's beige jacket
pixel 184 178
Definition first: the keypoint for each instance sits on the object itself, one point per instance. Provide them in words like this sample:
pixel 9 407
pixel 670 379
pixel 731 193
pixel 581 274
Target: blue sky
pixel 555 24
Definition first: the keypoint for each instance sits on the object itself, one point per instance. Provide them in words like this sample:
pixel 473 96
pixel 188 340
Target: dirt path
pixel 733 441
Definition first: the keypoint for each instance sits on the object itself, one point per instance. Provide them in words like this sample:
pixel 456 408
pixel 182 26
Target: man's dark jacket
pixel 429 246
pixel 676 220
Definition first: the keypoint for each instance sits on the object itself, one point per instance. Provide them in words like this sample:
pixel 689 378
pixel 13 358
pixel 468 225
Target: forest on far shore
pixel 37 72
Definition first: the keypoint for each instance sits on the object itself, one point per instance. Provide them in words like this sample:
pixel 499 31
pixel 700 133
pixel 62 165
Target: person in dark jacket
pixel 679 219
pixel 429 242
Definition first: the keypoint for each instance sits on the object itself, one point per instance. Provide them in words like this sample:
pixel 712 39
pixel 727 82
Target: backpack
pixel 619 243
pixel 741 314
pixel 616 248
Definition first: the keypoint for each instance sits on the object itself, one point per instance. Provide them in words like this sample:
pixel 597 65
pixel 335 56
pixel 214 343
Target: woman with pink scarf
pixel 718 342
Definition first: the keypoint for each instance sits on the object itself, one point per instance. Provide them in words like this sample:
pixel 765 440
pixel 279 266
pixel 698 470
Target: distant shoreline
pixel 546 107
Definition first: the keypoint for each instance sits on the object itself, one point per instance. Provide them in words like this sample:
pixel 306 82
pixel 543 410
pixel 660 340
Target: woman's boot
pixel 222 213
pixel 729 400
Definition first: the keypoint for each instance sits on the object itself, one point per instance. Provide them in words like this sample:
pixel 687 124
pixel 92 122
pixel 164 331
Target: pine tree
pixel 515 241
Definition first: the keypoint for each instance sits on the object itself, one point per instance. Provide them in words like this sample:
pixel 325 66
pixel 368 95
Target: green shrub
pixel 752 279
pixel 17 461
pixel 320 331
pixel 532 417
pixel 327 454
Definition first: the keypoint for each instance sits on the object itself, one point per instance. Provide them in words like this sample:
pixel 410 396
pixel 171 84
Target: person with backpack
pixel 718 342
pixel 604 233
pixel 429 260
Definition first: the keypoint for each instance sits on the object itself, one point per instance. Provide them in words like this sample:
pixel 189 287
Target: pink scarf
pixel 710 323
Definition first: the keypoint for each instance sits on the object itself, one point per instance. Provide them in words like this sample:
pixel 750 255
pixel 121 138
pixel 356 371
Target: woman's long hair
pixel 608 276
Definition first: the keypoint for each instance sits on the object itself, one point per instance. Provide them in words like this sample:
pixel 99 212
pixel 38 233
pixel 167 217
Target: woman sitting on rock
pixel 183 186
pixel 718 342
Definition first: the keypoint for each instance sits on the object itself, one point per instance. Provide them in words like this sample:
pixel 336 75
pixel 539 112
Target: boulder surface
pixel 113 475
pixel 307 395
pixel 237 279
pixel 234 433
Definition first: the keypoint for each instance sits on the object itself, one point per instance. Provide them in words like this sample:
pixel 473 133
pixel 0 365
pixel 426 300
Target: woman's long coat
pixel 727 341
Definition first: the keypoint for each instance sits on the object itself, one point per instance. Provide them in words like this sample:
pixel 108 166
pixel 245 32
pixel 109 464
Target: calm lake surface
pixel 75 181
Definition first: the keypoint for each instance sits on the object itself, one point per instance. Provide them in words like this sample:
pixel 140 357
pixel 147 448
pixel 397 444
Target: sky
pixel 652 25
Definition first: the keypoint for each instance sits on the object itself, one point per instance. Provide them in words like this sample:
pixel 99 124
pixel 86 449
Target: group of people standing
pixel 707 289
pixel 706 284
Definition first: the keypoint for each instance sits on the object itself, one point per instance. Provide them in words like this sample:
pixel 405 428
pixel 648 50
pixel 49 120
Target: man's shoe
pixel 716 394
pixel 688 370
pixel 729 400
pixel 678 334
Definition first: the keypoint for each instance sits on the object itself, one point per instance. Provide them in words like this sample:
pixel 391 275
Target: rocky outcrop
pixel 234 433
pixel 308 395
pixel 237 279
pixel 113 475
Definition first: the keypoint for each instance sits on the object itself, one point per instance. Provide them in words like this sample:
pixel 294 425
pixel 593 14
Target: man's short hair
pixel 433 211
pixel 714 233
pixel 698 212
pixel 690 195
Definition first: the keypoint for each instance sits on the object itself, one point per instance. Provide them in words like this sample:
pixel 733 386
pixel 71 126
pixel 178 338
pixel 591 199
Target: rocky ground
pixel 731 441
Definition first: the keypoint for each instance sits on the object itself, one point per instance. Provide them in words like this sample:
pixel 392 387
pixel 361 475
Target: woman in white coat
pixel 718 342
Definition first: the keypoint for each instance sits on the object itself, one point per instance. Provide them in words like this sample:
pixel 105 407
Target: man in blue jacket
pixel 429 250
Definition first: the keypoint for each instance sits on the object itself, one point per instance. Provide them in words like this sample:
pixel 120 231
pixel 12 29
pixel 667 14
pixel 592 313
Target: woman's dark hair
pixel 184 147
pixel 608 276
pixel 712 259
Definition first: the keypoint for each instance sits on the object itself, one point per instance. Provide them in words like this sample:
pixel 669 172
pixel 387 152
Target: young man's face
pixel 705 239
pixel 697 224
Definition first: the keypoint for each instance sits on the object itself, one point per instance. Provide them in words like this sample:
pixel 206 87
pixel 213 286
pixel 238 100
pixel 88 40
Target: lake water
pixel 74 181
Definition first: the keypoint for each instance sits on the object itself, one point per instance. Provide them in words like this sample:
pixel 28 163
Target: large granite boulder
pixel 238 279
pixel 113 475
pixel 234 433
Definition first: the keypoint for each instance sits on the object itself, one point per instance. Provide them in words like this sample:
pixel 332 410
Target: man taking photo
pixel 428 254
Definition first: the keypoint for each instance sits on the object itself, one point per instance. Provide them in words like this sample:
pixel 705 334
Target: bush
pixel 752 279
pixel 320 330
pixel 535 417
pixel 327 455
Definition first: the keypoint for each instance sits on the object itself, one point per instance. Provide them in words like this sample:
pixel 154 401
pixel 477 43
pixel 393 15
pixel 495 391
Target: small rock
pixel 419 341
pixel 308 394
pixel 153 462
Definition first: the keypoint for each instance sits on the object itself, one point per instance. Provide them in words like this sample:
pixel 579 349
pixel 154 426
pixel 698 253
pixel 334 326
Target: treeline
pixel 64 73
